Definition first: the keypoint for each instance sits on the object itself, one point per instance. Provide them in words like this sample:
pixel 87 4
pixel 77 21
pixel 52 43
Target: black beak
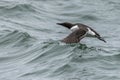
pixel 59 23
pixel 102 39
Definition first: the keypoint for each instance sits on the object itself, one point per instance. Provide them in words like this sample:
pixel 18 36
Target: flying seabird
pixel 79 31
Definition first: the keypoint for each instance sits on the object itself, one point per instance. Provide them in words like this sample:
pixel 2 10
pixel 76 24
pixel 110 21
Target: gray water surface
pixel 29 40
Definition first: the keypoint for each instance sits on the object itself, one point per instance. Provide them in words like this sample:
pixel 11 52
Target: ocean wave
pixel 16 38
pixel 16 6
pixel 30 46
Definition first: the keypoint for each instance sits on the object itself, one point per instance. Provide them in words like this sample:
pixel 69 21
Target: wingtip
pixel 102 39
pixel 105 41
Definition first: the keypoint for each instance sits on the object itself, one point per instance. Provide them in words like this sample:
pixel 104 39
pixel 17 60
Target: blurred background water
pixel 29 40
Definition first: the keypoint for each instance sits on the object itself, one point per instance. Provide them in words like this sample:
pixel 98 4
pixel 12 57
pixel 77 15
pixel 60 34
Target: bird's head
pixel 66 24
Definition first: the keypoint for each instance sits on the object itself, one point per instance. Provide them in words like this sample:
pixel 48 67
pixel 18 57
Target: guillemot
pixel 79 31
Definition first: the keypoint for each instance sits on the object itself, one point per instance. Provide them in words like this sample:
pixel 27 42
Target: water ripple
pixel 29 40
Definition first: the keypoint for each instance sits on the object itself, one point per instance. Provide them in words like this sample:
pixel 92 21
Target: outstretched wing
pixel 75 36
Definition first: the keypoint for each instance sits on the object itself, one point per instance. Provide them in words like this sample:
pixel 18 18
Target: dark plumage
pixel 75 36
